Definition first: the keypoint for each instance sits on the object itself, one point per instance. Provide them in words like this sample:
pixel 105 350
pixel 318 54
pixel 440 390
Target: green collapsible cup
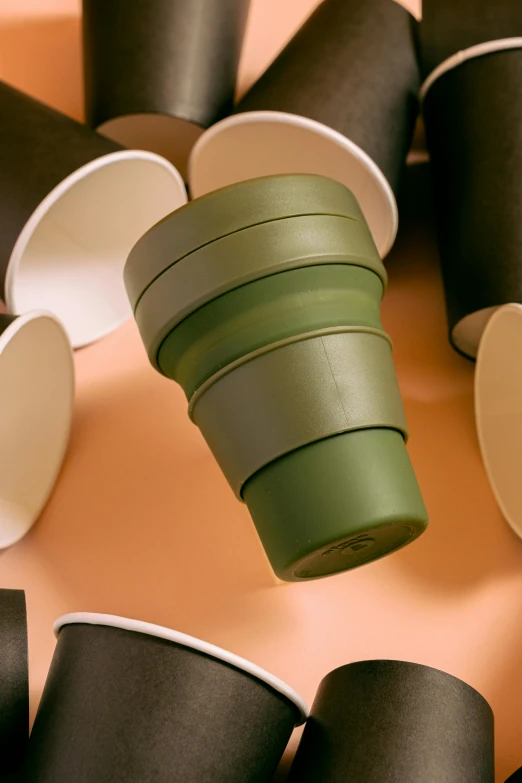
pixel 273 331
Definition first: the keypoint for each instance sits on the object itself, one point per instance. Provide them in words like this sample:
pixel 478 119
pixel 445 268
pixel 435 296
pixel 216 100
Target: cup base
pixel 336 504
pixel 355 551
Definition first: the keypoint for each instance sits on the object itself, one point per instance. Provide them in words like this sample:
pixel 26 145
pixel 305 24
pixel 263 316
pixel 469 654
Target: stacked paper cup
pixel 472 98
pixel 262 301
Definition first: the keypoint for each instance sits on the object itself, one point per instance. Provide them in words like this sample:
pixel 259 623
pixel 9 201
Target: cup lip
pixel 9 333
pixel 160 632
pixel 464 55
pixel 489 333
pixel 306 123
pixel 53 197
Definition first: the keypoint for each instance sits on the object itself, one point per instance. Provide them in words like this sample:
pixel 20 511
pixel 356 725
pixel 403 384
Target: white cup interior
pixel 171 137
pixel 36 401
pixel 257 144
pixel 498 409
pixel 70 255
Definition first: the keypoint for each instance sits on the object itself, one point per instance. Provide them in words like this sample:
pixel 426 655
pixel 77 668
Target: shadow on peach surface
pixel 467 543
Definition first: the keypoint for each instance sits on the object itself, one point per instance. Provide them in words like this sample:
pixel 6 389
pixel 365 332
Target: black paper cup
pixel 36 403
pixel 340 100
pixel 131 701
pixel 472 112
pixel 14 684
pixel 498 409
pixel 398 722
pixel 73 205
pixel 158 73
pixel 448 27
pixel 516 777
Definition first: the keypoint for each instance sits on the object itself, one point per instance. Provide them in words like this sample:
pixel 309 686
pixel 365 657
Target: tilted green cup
pixel 273 331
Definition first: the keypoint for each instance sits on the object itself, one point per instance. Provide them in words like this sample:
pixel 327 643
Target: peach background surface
pixel 143 524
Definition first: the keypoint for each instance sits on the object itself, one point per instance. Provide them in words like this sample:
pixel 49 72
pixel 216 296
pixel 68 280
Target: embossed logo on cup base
pixel 351 547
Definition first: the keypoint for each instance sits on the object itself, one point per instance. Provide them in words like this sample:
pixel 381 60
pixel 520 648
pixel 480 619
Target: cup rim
pixel 160 632
pixel 319 128
pixel 51 199
pixel 6 337
pixel 464 55
pixel 488 344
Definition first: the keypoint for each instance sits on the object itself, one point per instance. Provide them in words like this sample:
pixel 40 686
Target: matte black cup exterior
pixel 131 706
pixel 14 684
pixel 340 100
pixel 516 777
pixel 146 62
pixel 449 26
pixel 39 148
pixel 476 160
pixel 397 722
pixel 72 204
pixel 352 67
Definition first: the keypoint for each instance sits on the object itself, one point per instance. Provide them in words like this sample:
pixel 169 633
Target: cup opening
pixel 257 144
pixel 36 400
pixel 136 626
pixel 467 333
pixel 70 255
pixel 171 137
pixel 498 409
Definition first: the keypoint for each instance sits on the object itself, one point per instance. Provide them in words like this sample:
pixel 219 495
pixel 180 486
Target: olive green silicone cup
pixel 336 504
pixel 262 301
pixel 267 311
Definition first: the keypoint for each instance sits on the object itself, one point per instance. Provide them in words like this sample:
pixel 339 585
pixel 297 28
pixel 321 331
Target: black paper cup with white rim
pixel 73 205
pixel 472 111
pixel 14 684
pixel 126 700
pixel 448 27
pixel 36 404
pixel 340 100
pixel 399 722
pixel 157 74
